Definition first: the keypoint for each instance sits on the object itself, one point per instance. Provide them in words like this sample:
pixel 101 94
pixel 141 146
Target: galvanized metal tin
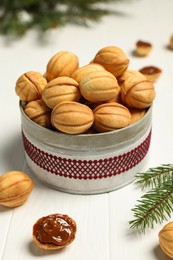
pixel 87 163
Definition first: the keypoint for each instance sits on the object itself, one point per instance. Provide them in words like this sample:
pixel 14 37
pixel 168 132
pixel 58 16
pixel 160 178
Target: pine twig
pixel 155 176
pixel 154 207
pixel 157 204
pixel 17 17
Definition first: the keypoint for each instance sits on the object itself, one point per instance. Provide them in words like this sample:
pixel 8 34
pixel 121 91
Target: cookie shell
pixel 51 246
pixel 111 116
pixel 30 85
pixel 38 112
pixel 85 70
pixel 143 48
pixel 113 59
pixel 72 117
pixel 61 89
pixel 63 63
pixel 99 86
pixel 166 239
pixel 151 73
pixel 140 95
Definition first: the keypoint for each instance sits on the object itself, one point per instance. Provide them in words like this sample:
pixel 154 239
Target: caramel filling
pixel 54 229
pixel 150 70
pixel 143 44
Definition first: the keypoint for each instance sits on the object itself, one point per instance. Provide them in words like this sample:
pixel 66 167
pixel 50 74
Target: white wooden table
pixel 102 220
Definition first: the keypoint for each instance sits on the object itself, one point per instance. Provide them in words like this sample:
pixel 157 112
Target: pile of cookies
pixel 143 49
pixel 99 97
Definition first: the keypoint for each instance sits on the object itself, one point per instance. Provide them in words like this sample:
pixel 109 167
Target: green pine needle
pixel 17 17
pixel 157 204
pixel 155 176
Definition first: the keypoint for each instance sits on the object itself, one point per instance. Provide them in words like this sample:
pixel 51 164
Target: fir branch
pixel 153 207
pixel 155 176
pixel 157 204
pixel 45 15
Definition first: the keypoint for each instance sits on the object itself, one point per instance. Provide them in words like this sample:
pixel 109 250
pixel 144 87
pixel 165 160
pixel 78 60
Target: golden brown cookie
pixel 61 89
pixel 111 116
pixel 54 231
pixel 99 86
pixel 30 85
pixel 38 112
pixel 136 114
pixel 143 48
pixel 72 117
pixel 171 42
pixel 85 70
pixel 151 73
pixel 15 188
pixel 166 239
pixel 131 75
pixel 113 59
pixel 63 63
pixel 137 91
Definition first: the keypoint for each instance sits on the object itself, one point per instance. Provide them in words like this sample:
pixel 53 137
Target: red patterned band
pixel 87 169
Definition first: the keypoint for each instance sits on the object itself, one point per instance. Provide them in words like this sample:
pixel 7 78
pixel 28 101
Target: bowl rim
pixel 55 137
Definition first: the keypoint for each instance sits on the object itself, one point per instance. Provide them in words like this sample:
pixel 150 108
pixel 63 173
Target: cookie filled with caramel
pixel 151 73
pixel 54 231
pixel 143 48
pixel 74 99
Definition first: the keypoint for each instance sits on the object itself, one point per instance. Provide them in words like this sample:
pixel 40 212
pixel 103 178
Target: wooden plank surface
pixel 102 220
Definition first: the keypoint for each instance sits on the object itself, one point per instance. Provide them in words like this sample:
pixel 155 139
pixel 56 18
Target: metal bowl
pixel 87 163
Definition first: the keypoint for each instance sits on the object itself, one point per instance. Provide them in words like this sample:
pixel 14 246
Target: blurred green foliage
pixel 18 16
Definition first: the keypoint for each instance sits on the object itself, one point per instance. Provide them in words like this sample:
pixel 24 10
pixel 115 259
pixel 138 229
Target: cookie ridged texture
pixel 99 86
pixel 130 78
pixel 85 70
pixel 140 95
pixel 38 112
pixel 61 89
pixel 72 117
pixel 166 239
pixel 136 114
pixel 15 187
pixel 113 59
pixel 64 63
pixel 30 85
pixel 111 116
